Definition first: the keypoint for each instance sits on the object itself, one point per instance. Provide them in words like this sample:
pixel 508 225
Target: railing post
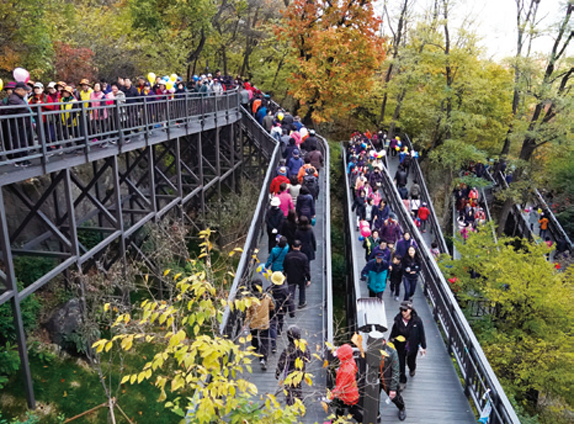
pixel 42 138
pixel 168 125
pixel 120 124
pixel 84 128
pixel 146 121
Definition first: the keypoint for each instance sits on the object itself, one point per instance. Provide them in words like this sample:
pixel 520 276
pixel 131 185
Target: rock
pixel 64 322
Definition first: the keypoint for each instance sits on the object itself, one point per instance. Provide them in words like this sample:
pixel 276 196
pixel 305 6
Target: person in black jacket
pixel 408 325
pixel 274 221
pixel 283 305
pixel 401 177
pixel 296 268
pixel 289 227
pixel 411 270
pixel 288 364
pixel 396 275
pixel 307 237
pixel 305 204
pixel 18 131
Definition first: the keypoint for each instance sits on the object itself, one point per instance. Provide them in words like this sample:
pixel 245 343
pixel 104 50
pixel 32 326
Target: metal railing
pixel 477 374
pixel 36 132
pixel 554 225
pixel 434 221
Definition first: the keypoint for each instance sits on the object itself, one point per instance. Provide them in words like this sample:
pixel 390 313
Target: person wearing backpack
pixel 258 318
pixel 311 182
pixel 287 364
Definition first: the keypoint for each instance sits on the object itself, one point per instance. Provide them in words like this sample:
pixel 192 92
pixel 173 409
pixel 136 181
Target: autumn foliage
pixel 336 51
pixel 72 64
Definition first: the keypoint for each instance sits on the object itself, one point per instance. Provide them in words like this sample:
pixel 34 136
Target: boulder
pixel 64 322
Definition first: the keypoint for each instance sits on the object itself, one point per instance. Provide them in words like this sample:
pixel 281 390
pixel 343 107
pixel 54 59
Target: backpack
pixel 310 181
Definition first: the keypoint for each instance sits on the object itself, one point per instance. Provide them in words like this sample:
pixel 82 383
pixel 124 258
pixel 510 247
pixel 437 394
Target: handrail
pixel 79 126
pixel 554 221
pixel 355 272
pixel 328 289
pixel 488 216
pixel 244 269
pixel 426 195
pixel 479 378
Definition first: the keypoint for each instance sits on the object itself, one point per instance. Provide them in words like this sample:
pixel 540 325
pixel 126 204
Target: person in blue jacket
pixel 404 244
pixel 375 273
pixel 277 255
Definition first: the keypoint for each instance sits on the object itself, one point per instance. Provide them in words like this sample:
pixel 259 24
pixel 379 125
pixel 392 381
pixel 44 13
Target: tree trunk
pixel 506 208
pixel 396 114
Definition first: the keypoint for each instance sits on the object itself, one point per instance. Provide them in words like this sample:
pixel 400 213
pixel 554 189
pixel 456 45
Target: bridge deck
pixel 310 320
pixel 435 394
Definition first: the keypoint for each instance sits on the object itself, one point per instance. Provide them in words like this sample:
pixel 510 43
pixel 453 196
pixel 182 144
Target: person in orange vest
pixel 543 221
pixel 303 170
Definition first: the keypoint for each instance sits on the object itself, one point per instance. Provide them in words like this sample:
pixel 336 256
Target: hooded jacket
pixel 274 220
pixel 346 382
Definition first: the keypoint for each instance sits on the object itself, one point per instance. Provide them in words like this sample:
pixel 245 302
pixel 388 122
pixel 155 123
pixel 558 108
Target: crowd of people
pixel 34 114
pixel 289 223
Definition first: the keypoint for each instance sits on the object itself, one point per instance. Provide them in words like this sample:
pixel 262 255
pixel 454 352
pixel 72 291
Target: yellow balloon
pixel 1 84
pixel 173 77
pixel 169 85
pixel 151 78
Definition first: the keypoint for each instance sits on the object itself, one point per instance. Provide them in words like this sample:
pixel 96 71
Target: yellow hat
pixel 277 278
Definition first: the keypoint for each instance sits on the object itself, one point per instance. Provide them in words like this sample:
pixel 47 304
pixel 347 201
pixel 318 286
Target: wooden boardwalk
pixel 310 321
pixel 435 394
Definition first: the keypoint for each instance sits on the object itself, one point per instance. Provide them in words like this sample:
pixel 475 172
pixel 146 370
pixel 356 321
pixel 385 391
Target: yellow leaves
pixel 127 343
pixel 391 345
pixel 125 379
pixel 106 307
pixel 325 407
pixel 400 339
pixel 325 364
pixel 108 346
pixel 167 271
pixel 357 340
pixel 237 249
pixel 384 353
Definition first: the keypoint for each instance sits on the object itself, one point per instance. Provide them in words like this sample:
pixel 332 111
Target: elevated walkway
pixel 315 320
pixel 439 392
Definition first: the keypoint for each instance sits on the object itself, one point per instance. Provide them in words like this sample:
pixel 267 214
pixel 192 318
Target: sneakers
pixel 402 414
pixel 25 164
pixel 263 364
pixel 274 350
pixel 396 298
pixel 302 305
pixel 412 373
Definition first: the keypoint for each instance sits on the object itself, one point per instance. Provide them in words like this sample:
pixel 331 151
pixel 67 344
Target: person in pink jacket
pixel 285 198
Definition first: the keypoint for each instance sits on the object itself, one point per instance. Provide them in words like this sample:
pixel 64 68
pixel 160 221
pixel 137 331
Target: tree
pixel 529 342
pixel 204 370
pixel 73 64
pixel 544 125
pixel 335 51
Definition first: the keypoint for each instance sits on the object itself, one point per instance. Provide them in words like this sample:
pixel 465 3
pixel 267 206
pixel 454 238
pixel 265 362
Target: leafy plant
pixel 9 362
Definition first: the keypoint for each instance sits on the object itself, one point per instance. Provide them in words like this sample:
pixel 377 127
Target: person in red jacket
pixel 424 213
pixel 346 392
pixel 278 180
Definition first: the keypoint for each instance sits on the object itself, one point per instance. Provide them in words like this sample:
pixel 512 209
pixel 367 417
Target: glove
pixel 274 231
pixel 313 222
pixel 363 278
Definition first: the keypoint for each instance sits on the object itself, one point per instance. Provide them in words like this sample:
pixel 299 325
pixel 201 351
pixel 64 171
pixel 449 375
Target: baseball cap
pixel 39 85
pixel 275 202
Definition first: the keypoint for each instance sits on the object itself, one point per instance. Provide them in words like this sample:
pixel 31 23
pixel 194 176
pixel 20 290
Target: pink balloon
pixel 364 224
pixel 21 75
pixel 365 232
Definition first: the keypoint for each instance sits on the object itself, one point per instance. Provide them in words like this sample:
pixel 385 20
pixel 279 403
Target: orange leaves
pixel 336 52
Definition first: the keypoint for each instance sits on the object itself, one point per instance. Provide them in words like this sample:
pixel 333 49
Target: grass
pixel 70 387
